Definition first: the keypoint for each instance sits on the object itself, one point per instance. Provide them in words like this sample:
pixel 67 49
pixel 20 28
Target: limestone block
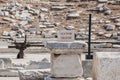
pixel 87 68
pixel 72 45
pixel 66 65
pixel 106 66
pixel 38 65
pixel 33 74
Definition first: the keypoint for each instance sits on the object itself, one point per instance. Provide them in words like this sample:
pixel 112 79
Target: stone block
pixel 106 66
pixel 33 74
pixel 87 68
pixel 38 65
pixel 66 65
pixel 72 45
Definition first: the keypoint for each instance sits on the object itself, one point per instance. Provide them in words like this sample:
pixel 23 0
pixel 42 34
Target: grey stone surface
pixel 33 74
pixel 106 66
pixel 69 65
pixel 73 15
pixel 87 68
pixel 72 45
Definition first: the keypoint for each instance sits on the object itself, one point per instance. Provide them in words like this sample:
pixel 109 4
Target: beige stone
pixel 106 66
pixel 66 65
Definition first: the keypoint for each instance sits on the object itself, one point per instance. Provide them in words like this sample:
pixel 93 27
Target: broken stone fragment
pixel 109 27
pixel 73 15
pixel 114 35
pixel 108 35
pixel 108 12
pixel 59 7
pixel 1 13
pixel 9 19
pixel 69 27
pixel 44 9
pixel 5 33
pixel 102 1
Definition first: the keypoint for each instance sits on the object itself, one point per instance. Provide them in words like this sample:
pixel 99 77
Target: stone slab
pixel 71 45
pixel 87 68
pixel 106 66
pixel 66 65
pixel 33 74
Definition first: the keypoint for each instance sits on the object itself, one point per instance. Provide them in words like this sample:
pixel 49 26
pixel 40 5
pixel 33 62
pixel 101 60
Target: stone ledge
pixel 69 45
pixel 67 51
pixel 49 78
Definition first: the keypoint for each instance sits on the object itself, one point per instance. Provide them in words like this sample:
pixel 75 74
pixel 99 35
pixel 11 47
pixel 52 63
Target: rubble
pixel 109 27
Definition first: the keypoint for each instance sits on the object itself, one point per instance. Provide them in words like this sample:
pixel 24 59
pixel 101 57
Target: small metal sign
pixel 66 36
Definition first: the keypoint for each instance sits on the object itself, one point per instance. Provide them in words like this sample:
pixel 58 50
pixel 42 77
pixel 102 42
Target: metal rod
pixel 89 40
pixel 89 56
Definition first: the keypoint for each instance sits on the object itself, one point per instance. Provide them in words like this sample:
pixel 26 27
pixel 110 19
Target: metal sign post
pixel 89 56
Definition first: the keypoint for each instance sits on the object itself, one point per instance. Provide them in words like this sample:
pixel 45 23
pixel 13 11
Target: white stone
pixel 5 33
pixel 38 65
pixel 66 65
pixel 33 74
pixel 42 17
pixel 106 66
pixel 102 1
pixel 69 27
pixel 73 15
pixel 58 7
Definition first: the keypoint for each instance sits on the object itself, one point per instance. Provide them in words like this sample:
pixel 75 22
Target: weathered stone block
pixel 87 68
pixel 72 45
pixel 106 66
pixel 66 65
pixel 33 74
pixel 38 65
